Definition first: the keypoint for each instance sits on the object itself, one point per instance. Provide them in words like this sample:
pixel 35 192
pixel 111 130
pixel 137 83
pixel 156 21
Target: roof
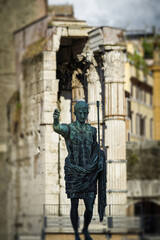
pixel 138 33
pixel 62 10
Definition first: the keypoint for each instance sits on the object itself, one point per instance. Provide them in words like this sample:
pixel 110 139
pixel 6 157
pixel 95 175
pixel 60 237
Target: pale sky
pixel 130 14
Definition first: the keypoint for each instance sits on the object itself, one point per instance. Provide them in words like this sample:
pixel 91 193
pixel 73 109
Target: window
pixel 150 99
pixel 151 128
pixel 144 96
pixel 131 122
pixel 131 90
pixel 141 91
pixel 128 108
pixel 142 126
pixel 128 136
pixel 137 124
pixel 137 92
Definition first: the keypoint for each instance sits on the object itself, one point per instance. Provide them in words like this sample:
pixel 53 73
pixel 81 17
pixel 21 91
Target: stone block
pixel 47 96
pixel 78 32
pixel 52 188
pixel 48 85
pixel 56 42
pixel 3 147
pixel 51 166
pixel 48 118
pixel 51 98
pixel 34 88
pixel 48 129
pixel 49 74
pixel 51 157
pixel 48 107
pixel 64 32
pixel 40 87
pixel 55 86
pixel 52 199
pixel 51 147
pixel 49 61
pixel 55 137
pixel 52 177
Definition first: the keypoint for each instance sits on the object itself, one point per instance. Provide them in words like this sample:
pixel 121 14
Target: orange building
pixel 156 96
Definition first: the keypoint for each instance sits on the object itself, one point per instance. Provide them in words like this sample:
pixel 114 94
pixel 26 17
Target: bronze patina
pixel 84 165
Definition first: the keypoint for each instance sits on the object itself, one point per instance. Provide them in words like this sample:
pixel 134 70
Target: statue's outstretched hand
pixel 56 114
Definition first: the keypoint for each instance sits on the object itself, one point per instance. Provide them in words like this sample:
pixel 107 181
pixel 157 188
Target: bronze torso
pixel 80 143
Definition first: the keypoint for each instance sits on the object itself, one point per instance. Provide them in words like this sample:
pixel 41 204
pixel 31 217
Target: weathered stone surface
pixel 78 32
pixel 143 188
pixel 143 160
pixel 56 41
pixel 49 74
pixel 49 60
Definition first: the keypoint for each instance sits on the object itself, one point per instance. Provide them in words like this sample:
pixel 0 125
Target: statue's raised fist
pixel 56 114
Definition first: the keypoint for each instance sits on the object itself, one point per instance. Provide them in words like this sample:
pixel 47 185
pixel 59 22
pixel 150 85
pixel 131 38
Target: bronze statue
pixel 84 165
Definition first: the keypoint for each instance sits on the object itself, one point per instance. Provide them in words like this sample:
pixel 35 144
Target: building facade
pixel 60 63
pixel 14 15
pixel 60 60
pixel 139 95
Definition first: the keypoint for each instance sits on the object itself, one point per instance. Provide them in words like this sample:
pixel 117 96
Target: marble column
pixel 77 89
pixel 92 79
pixel 65 117
pixel 114 117
pixel 94 95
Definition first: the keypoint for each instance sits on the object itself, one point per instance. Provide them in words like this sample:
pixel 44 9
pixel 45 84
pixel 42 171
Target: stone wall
pixel 143 171
pixel 14 15
pixel 35 150
pixel 143 160
pixel 26 188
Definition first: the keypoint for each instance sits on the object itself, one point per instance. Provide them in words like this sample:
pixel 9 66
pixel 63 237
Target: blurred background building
pixel 49 59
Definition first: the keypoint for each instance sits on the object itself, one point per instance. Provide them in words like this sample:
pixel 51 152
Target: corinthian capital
pixel 113 57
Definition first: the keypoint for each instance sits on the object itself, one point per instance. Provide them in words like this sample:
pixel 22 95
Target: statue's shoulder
pixel 90 128
pixel 72 126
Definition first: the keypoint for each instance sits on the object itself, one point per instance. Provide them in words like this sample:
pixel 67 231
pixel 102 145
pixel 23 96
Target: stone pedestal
pixel 114 117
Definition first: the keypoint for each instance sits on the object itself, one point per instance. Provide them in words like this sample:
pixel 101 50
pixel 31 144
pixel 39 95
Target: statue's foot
pixel 77 236
pixel 86 234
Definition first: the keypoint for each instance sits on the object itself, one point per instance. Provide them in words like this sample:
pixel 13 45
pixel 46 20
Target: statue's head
pixel 81 111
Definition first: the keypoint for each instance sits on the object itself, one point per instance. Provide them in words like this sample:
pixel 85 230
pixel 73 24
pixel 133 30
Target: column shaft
pixel 113 61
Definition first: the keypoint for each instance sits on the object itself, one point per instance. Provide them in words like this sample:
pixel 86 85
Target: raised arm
pixel 57 127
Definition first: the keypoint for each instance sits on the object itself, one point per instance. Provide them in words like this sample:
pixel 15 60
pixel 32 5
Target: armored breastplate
pixel 81 142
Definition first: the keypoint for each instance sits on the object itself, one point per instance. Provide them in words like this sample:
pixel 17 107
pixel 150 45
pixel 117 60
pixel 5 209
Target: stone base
pixel 70 236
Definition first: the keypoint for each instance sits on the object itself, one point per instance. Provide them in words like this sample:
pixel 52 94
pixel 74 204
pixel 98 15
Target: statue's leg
pixel 74 216
pixel 89 202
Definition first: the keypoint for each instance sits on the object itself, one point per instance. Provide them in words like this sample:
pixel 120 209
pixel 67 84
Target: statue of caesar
pixel 84 165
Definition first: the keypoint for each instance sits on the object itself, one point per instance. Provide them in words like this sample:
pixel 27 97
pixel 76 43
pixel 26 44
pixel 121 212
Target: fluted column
pixel 113 61
pixel 93 93
pixel 77 90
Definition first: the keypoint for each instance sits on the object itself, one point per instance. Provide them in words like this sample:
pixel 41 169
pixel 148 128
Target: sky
pixel 127 14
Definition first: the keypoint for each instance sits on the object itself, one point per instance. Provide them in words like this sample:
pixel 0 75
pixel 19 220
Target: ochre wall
pixel 156 101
